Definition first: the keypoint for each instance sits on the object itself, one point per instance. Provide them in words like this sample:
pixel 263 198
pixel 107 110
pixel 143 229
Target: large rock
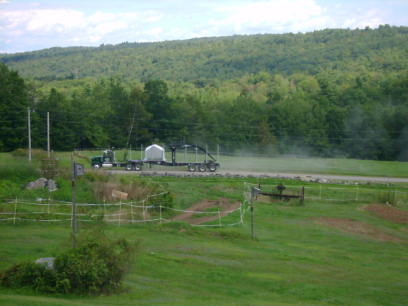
pixel 37 184
pixel 48 262
pixel 51 185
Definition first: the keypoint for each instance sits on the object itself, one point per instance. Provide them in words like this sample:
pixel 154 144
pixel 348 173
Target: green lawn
pixel 293 261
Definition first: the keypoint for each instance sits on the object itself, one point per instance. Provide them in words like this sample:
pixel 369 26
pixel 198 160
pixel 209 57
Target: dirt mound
pixel 388 213
pixel 224 205
pixel 356 227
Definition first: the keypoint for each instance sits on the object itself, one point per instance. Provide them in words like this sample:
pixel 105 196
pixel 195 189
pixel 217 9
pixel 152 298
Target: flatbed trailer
pixel 137 165
pixel 209 164
pixel 108 160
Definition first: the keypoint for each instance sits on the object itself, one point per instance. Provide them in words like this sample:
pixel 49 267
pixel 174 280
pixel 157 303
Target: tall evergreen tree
pixel 13 110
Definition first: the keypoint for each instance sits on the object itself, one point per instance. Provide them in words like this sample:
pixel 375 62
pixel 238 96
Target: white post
pixel 120 211
pixel 104 208
pixel 240 214
pixel 144 210
pixel 131 211
pixel 48 134
pixel 160 214
pixel 29 133
pixel 320 196
pixel 219 217
pixel 15 211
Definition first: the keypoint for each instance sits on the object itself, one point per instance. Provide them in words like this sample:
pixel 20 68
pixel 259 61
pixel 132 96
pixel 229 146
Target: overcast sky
pixel 32 25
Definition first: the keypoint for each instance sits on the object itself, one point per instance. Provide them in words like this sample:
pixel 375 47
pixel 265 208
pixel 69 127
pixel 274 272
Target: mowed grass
pixel 339 166
pixel 293 261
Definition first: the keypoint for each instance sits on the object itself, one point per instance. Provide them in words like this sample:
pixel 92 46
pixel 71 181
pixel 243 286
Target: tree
pixel 13 110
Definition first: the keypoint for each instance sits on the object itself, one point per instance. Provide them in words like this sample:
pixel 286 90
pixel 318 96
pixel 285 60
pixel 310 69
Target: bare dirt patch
pixel 224 205
pixel 388 213
pixel 357 227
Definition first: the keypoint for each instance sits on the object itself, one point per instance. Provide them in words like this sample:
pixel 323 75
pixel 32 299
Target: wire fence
pixel 339 194
pixel 153 209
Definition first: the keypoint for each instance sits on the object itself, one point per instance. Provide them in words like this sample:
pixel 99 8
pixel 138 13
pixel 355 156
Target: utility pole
pixel 29 133
pixel 73 219
pixel 48 134
pixel 77 170
pixel 254 194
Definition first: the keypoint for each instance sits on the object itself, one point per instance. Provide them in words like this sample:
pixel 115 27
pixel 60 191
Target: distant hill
pixel 361 50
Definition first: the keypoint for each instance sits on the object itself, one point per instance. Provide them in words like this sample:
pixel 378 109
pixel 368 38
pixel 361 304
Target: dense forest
pixel 326 93
pixel 223 58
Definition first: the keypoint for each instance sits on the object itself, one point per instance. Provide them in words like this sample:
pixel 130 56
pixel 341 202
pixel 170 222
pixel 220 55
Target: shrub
pixel 29 275
pixel 96 266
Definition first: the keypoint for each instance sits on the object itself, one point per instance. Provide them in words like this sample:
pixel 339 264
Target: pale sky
pixel 33 25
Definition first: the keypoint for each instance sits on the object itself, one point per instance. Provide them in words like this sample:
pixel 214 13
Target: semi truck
pixel 155 155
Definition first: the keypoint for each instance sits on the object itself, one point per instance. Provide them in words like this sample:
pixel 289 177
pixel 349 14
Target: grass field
pixel 294 260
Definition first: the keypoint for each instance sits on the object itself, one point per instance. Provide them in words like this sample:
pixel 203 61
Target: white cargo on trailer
pixel 154 153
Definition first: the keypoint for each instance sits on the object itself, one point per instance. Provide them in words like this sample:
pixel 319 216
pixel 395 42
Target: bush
pixel 96 266
pixel 29 275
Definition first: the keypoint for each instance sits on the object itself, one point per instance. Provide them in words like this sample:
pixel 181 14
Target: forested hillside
pixel 384 49
pixel 326 93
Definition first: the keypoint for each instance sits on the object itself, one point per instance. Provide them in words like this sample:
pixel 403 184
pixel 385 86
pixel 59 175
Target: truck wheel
pixel 96 166
pixel 137 167
pixel 212 167
pixel 202 168
pixel 128 167
pixel 191 168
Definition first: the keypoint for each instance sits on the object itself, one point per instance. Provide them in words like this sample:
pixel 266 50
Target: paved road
pixel 303 176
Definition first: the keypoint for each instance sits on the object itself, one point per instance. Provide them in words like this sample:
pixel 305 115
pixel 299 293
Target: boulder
pixel 37 184
pixel 51 185
pixel 48 262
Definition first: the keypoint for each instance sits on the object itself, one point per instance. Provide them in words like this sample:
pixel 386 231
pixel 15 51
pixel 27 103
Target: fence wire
pixel 339 194
pixel 153 209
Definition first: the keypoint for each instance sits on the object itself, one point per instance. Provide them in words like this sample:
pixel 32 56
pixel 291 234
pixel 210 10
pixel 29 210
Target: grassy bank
pixel 295 259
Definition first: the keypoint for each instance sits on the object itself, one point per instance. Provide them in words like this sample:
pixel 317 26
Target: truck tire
pixel 202 168
pixel 212 167
pixel 191 168
pixel 96 166
pixel 137 167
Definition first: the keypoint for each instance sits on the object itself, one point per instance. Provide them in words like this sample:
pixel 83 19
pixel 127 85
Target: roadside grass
pixel 339 166
pixel 293 260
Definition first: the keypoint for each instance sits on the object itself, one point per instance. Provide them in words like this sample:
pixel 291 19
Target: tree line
pixel 330 113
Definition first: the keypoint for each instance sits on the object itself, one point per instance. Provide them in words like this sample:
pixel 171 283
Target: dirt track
pixel 358 228
pixel 224 205
pixel 389 213
pixel 304 177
